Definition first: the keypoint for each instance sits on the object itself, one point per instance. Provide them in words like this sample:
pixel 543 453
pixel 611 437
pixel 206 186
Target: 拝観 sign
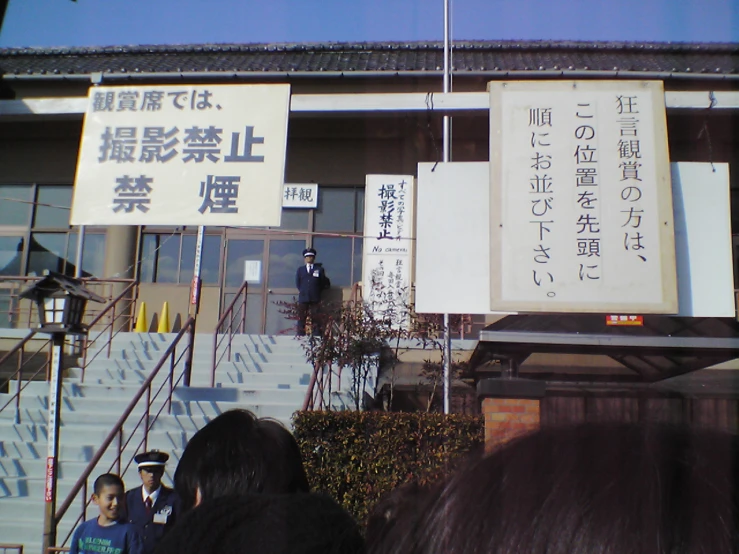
pixel 296 195
pixel 581 202
pixel 182 155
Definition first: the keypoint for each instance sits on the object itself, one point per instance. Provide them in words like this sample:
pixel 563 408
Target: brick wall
pixel 506 418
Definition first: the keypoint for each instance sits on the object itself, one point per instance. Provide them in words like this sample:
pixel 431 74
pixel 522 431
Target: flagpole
pixel 446 139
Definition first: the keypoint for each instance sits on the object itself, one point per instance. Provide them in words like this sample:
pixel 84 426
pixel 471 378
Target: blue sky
pixel 124 22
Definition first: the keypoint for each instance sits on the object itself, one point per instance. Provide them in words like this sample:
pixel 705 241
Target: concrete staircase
pixel 266 374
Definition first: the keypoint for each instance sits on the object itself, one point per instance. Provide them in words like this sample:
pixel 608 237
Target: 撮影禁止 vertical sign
pixel 182 155
pixel 388 246
pixel 581 202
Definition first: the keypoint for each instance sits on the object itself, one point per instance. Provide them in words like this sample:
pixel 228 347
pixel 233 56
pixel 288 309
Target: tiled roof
pixel 416 57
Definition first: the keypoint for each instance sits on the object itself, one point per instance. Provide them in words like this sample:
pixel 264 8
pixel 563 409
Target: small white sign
pixel 253 271
pixel 300 195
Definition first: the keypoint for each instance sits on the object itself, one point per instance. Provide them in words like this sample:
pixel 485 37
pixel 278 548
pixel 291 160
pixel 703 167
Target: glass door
pixel 271 264
pixel 244 255
pixel 285 256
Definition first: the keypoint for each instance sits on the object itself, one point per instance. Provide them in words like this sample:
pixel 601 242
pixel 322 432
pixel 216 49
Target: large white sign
pixel 388 246
pixel 581 206
pixel 182 155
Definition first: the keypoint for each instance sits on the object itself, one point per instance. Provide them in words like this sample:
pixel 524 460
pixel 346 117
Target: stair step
pixel 268 375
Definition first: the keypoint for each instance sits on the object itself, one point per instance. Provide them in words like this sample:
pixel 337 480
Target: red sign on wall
pixel 637 320
pixel 49 478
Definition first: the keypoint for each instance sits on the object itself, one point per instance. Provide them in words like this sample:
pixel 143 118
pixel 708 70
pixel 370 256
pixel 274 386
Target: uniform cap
pixel 309 252
pixel 153 458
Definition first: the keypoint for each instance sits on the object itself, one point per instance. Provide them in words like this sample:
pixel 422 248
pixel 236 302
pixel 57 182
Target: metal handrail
pixel 316 385
pixel 111 307
pixel 18 374
pixel 23 317
pixel 229 311
pixel 147 418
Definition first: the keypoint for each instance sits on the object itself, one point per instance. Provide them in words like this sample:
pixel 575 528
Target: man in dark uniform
pixel 310 280
pixel 152 507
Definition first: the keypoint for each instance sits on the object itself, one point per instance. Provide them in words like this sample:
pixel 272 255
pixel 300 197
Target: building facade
pixel 356 109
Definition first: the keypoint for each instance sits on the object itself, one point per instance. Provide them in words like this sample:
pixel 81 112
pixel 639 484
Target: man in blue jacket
pixel 152 508
pixel 311 281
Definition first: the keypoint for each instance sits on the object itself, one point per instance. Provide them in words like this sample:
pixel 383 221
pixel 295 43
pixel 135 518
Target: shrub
pixel 356 457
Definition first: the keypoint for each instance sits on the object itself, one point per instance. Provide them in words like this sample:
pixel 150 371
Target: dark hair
pixel 265 523
pixel 237 453
pixel 605 489
pixel 399 505
pixel 106 480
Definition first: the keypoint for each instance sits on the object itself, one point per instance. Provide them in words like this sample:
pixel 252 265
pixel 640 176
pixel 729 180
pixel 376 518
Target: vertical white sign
pixel 581 205
pixel 182 155
pixel 388 246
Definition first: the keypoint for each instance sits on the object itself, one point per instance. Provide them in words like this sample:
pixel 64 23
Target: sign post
pixel 52 449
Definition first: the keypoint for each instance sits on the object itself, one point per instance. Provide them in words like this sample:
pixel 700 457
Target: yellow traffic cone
pixel 163 326
pixel 141 320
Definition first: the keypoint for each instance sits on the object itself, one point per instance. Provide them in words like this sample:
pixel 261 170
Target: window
pixel 340 209
pixel 53 207
pixel 170 258
pixel 16 204
pixel 342 257
pixel 35 236
pixel 11 255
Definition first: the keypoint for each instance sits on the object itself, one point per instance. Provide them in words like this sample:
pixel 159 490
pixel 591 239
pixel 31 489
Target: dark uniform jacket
pixel 153 526
pixel 310 285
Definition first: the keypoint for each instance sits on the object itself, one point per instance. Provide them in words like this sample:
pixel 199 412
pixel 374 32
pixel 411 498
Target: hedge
pixel 356 457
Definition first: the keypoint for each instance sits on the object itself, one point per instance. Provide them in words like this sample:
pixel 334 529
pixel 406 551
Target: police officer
pixel 152 507
pixel 310 280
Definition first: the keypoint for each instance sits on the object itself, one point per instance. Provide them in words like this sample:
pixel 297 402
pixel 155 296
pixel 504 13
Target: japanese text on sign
pixel 580 201
pixel 388 246
pixel 173 155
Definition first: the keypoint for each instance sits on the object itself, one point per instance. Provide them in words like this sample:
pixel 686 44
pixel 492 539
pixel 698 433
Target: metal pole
pixel 80 248
pixel 78 342
pixel 447 377
pixel 52 453
pixel 196 283
pixel 194 304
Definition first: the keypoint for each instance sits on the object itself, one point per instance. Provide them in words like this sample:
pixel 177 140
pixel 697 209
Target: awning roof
pixel 662 348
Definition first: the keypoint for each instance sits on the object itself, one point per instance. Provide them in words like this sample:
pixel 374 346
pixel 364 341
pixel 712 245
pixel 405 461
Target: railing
pixel 232 318
pixel 11 549
pixel 319 387
pixel 117 322
pixel 23 363
pixel 144 423
pixel 17 313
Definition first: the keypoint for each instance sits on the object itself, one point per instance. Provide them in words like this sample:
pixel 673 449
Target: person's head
pixel 309 254
pixel 109 496
pixel 400 504
pixel 268 524
pixel 605 489
pixel 151 469
pixel 237 453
